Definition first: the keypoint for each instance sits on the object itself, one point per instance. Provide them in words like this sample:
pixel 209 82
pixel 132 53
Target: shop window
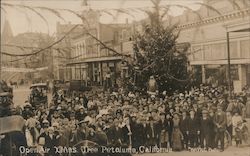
pixel 208 52
pixel 197 53
pixel 245 49
pixel 248 75
pixel 218 51
pixel 233 50
pixel 116 39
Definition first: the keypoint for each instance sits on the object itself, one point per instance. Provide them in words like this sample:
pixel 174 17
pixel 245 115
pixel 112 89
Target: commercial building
pixel 208 36
pixel 14 68
pixel 92 59
pixel 63 50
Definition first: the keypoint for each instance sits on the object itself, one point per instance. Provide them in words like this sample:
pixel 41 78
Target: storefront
pixel 96 71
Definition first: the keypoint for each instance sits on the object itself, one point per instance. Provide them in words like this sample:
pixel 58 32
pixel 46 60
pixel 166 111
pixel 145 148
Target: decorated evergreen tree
pixel 157 54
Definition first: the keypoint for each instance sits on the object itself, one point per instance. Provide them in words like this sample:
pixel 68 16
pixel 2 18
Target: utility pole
pixel 229 66
pixel 1 63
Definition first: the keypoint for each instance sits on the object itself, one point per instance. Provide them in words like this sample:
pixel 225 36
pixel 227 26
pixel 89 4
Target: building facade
pixel 37 66
pixel 93 60
pixel 209 42
pixel 62 51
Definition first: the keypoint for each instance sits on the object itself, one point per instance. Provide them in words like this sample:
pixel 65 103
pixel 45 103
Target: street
pixel 232 151
pixel 21 94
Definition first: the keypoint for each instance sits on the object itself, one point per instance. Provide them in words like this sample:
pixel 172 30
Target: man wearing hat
pixel 151 132
pixel 163 130
pixel 116 138
pixel 212 132
pixel 50 141
pixel 27 111
pixel 155 115
pixel 206 125
pixel 80 114
pixel 138 135
pixel 100 136
pixel 234 105
pixel 72 119
pixel 220 123
pixel 184 128
pixel 193 129
pixel 83 130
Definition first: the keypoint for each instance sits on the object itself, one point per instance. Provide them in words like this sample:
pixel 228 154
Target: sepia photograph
pixel 125 78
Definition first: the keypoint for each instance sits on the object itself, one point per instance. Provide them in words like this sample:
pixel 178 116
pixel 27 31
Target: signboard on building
pixel 237 86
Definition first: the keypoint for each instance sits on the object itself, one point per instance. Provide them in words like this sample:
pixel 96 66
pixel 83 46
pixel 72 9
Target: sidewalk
pixel 231 151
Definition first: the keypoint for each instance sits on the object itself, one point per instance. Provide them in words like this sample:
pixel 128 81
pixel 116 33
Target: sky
pixel 23 20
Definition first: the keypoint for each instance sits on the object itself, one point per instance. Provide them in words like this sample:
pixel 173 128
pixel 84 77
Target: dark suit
pixel 116 136
pixel 152 134
pixel 193 128
pixel 165 129
pixel 100 138
pixel 206 128
pixel 170 130
pixel 125 136
pixel 138 135
pixel 50 142
pixel 220 120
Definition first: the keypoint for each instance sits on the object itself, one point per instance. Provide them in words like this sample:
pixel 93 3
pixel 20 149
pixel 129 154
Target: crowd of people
pixel 203 117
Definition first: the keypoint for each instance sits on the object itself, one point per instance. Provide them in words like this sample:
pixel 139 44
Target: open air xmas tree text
pixel 104 149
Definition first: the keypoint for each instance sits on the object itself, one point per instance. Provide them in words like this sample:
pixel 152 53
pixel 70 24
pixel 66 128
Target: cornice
pixel 217 19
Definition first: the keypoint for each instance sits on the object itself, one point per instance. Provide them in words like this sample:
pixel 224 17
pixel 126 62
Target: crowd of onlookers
pixel 202 117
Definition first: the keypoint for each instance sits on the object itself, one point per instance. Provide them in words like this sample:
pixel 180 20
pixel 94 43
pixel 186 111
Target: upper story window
pixel 116 35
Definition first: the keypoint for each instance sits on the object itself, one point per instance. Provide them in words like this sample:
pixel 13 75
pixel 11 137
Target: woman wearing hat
pixel 31 130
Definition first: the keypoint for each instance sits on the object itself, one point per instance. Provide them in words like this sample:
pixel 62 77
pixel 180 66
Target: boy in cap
pixel 220 123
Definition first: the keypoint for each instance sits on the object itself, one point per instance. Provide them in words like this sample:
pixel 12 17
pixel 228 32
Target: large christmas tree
pixel 158 54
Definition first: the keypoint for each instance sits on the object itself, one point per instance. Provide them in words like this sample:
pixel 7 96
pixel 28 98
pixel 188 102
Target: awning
pixel 239 27
pixel 221 62
pixel 23 70
pixel 242 30
pixel 96 59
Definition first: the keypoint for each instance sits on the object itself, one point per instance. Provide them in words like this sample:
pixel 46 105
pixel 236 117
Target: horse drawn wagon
pixel 38 94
